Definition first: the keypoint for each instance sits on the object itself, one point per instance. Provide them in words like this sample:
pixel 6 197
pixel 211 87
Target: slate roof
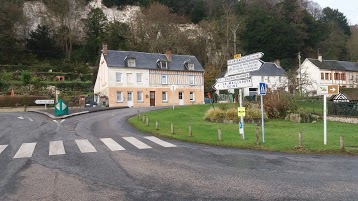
pixel 335 65
pixel 144 60
pixel 269 69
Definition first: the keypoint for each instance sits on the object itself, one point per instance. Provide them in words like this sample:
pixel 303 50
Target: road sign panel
pixel 61 108
pixel 244 67
pixel 328 89
pixel 262 88
pixel 234 77
pixel 233 84
pixel 246 58
pixel 241 111
pixel 45 102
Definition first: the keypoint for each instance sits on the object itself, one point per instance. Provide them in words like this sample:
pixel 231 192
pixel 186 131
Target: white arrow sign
pixel 235 77
pixel 233 84
pixel 44 102
pixel 244 67
pixel 246 58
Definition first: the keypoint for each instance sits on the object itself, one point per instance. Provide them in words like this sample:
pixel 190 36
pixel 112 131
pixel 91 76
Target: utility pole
pixel 299 66
pixel 234 29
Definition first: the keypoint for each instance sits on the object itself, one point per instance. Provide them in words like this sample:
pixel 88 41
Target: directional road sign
pixel 246 58
pixel 45 102
pixel 232 84
pixel 262 88
pixel 234 77
pixel 328 89
pixel 244 67
pixel 61 108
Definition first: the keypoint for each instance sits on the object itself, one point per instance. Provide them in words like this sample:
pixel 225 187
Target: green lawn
pixel 313 106
pixel 280 135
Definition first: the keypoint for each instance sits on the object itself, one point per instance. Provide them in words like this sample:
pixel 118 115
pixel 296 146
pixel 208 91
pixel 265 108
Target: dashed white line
pixel 134 141
pixel 160 142
pixel 111 144
pixel 25 150
pixel 85 146
pixel 56 148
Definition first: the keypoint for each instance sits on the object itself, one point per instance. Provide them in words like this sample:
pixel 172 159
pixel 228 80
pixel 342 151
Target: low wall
pixel 352 120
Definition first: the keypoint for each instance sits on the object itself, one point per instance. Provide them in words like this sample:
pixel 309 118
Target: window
pixel 190 66
pixel 119 96
pixel 191 80
pixel 322 76
pixel 131 62
pixel 191 96
pixel 139 77
pixel 164 64
pixel 336 76
pixel 343 76
pixel 140 96
pixel 164 79
pixel 164 96
pixel 118 77
pixel 327 76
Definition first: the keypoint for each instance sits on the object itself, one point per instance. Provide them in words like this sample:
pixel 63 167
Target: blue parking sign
pixel 262 88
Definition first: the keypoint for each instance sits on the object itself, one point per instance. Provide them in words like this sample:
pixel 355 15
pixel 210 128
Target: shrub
pixel 279 103
pixel 214 114
pixel 231 114
pixel 253 111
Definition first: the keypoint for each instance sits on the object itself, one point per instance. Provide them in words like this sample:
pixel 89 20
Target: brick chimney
pixel 168 54
pixel 104 49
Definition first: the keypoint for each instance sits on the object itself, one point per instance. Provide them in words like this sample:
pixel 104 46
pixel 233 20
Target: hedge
pixel 14 101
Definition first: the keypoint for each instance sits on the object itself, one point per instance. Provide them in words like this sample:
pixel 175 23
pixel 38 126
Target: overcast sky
pixel 348 7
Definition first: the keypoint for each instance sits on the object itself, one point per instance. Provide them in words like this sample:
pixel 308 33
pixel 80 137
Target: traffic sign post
pixel 61 108
pixel 326 90
pixel 238 77
pixel 173 88
pixel 263 89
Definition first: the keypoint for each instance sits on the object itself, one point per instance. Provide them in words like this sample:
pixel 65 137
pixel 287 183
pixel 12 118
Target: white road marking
pixel 30 119
pixel 25 150
pixel 20 117
pixel 54 120
pixel 111 144
pixel 2 147
pixel 136 143
pixel 85 146
pixel 56 148
pixel 160 142
pixel 62 121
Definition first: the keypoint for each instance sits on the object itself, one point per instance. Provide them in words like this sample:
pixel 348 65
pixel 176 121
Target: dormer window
pixel 164 64
pixel 131 62
pixel 190 66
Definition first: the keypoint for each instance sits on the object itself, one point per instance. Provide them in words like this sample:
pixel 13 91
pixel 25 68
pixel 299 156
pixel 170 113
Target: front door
pixel 152 98
pixel 130 98
pixel 181 99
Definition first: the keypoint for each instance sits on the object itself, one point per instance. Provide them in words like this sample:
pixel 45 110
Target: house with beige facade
pixel 316 72
pixel 139 79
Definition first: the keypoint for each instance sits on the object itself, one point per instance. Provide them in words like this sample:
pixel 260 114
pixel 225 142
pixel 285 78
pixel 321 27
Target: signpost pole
pixel 241 118
pixel 325 119
pixel 262 118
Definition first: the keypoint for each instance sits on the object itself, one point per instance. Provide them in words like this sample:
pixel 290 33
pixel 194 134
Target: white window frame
pixel 139 75
pixel 191 96
pixel 121 99
pixel 139 96
pixel 118 75
pixel 164 96
pixel 190 66
pixel 131 62
pixel 165 81
pixel 191 80
pixel 164 66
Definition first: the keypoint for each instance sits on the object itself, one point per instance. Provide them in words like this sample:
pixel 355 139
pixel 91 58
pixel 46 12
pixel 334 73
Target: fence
pixel 342 109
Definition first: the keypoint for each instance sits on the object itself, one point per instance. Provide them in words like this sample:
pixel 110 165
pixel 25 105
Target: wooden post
pixel 172 128
pixel 341 143
pixel 190 131
pixel 257 136
pixel 219 134
pixel 138 114
pixel 24 108
pixel 156 125
pixel 143 118
pixel 147 121
pixel 300 139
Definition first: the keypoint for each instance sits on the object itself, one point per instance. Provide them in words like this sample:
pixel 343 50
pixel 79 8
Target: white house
pixel 315 72
pixel 128 78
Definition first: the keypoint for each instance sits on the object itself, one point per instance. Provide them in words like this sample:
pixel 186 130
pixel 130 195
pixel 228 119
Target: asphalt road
pixel 85 167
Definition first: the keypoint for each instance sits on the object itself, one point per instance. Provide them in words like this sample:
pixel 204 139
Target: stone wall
pixel 351 120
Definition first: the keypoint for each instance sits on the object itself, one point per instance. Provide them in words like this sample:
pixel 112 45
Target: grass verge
pixel 280 135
